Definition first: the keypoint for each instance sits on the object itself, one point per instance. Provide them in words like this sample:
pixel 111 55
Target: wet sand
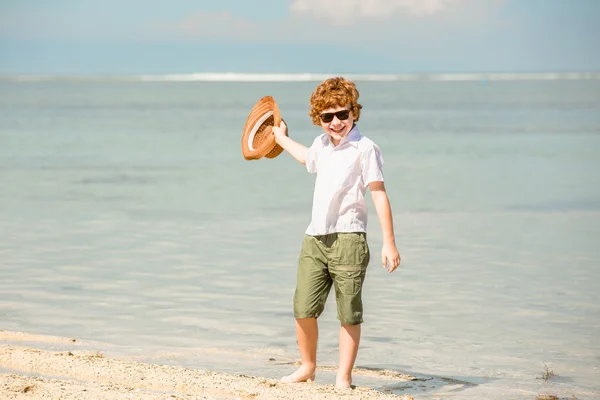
pixel 27 372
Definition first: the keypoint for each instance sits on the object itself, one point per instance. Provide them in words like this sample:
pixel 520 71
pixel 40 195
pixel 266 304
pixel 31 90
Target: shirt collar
pixel 352 138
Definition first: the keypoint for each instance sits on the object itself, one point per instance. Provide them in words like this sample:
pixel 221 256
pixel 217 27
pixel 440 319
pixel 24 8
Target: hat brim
pixel 258 140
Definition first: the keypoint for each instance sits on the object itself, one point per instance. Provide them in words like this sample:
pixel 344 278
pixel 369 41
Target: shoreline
pixel 76 372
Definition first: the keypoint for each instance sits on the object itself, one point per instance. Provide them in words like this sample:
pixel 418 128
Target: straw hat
pixel 258 140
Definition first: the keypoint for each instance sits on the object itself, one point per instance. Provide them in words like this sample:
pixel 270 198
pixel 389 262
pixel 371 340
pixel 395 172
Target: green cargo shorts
pixel 340 259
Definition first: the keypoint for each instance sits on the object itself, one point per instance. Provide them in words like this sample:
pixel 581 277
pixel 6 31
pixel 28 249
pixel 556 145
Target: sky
pixel 293 36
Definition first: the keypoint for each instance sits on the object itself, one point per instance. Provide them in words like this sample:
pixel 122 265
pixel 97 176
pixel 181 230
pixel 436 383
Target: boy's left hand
pixel 390 258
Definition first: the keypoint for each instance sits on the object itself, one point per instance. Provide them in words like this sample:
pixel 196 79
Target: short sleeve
pixel 372 165
pixel 311 156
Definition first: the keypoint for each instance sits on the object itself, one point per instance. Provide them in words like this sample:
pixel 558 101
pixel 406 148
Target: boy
pixel 334 250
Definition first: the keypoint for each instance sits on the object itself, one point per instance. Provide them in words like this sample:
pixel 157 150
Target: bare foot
pixel 343 382
pixel 302 374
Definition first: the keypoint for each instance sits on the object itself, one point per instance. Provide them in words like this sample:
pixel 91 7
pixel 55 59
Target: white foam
pixel 317 77
pixel 305 77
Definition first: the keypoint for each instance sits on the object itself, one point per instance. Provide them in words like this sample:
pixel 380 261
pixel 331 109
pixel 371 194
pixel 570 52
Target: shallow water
pixel 128 216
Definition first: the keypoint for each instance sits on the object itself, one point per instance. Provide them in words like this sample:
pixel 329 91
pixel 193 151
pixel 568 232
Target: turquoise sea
pixel 129 217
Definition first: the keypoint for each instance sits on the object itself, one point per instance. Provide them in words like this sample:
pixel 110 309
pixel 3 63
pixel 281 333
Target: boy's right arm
pixel 296 150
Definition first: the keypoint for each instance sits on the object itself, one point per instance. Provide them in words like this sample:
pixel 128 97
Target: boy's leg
pixel 349 341
pixel 348 269
pixel 312 287
pixel 307 332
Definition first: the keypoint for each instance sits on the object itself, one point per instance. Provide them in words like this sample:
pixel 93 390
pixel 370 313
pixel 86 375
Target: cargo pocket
pixel 350 280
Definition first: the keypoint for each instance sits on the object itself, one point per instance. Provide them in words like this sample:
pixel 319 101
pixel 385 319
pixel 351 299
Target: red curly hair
pixel 331 93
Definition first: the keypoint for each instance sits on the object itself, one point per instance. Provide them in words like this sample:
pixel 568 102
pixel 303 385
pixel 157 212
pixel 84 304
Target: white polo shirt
pixel 343 174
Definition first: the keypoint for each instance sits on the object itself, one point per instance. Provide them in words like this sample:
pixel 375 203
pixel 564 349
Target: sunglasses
pixel 341 115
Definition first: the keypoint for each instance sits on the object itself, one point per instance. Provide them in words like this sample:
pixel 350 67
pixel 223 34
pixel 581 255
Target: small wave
pixel 303 77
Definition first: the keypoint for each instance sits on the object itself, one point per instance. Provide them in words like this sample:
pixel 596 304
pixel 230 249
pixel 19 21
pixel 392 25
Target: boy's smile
pixel 337 128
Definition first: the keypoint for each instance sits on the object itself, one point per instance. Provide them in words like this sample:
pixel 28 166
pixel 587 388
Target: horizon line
pixel 303 76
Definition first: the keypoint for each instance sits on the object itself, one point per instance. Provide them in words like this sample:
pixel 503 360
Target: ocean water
pixel 129 217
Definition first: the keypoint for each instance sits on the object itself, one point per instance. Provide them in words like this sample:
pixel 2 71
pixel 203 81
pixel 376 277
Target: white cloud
pixel 413 24
pixel 344 12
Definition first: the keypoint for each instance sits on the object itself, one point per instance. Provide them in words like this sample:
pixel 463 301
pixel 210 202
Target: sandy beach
pixel 27 372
